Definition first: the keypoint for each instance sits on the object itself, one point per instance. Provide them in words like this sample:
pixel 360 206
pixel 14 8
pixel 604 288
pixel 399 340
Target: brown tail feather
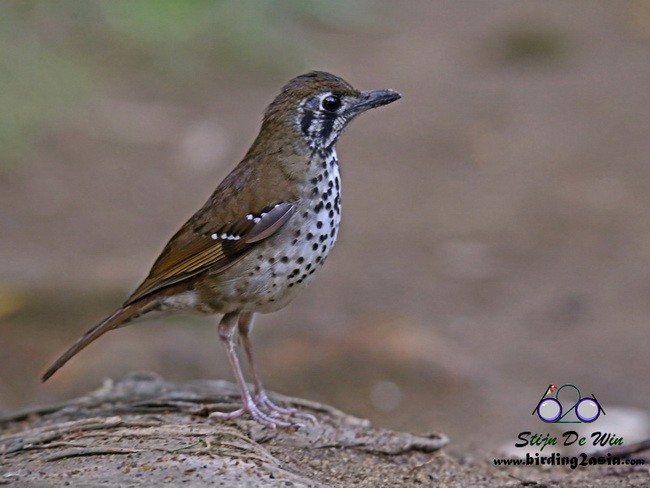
pixel 117 318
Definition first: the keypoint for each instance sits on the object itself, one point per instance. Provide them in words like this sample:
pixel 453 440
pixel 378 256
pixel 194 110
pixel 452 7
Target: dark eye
pixel 331 103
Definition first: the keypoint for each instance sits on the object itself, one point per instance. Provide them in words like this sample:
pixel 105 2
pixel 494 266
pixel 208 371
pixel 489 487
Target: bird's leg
pixel 245 325
pixel 226 329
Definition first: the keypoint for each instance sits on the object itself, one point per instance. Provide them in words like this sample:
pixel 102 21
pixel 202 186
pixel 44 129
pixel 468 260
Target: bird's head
pixel 317 106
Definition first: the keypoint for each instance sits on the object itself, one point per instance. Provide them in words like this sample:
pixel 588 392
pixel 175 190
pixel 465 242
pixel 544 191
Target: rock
pixel 144 431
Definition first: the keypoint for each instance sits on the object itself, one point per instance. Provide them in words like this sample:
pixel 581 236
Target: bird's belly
pixel 270 277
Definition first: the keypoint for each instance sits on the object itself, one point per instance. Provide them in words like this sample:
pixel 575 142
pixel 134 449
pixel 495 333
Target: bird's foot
pixel 264 411
pixel 250 408
pixel 275 410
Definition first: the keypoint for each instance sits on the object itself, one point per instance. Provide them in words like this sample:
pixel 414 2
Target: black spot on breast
pixel 322 238
pixel 315 247
pixel 257 268
pixel 325 196
pixel 314 180
pixel 309 236
pixel 336 183
pixel 305 215
pixel 332 232
pixel 300 260
pixel 319 206
pixel 271 260
pixel 331 214
pixel 324 248
pixel 284 259
pixel 319 224
pixel 330 184
pixel 328 206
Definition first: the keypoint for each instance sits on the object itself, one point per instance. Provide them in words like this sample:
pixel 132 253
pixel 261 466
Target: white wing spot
pixel 215 236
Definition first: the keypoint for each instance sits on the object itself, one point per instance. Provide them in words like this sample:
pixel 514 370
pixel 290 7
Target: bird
pixel 261 236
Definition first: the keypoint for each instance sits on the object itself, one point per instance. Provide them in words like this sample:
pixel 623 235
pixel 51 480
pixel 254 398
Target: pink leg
pixel 245 326
pixel 226 329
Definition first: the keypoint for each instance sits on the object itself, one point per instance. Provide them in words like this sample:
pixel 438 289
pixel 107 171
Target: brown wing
pixel 188 252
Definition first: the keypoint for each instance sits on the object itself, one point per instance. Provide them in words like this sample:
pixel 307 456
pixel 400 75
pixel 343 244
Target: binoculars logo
pixel 550 408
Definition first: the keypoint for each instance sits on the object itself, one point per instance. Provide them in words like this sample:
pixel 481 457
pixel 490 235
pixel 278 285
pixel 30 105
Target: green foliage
pixel 39 80
pixel 53 54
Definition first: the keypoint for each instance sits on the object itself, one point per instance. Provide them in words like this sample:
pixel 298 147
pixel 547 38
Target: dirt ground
pixel 144 431
pixel 495 236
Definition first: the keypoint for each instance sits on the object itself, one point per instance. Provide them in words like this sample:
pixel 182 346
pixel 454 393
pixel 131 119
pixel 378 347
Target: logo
pixel 583 446
pixel 550 409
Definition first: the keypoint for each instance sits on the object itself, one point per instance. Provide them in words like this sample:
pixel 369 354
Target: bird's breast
pixel 270 276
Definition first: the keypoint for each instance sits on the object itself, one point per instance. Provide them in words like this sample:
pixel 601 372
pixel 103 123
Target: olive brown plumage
pixel 264 232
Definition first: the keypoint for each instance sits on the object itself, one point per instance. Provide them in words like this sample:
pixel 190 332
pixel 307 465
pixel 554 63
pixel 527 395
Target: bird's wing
pixel 190 251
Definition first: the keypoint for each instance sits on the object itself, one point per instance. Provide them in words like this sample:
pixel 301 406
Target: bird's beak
pixel 374 98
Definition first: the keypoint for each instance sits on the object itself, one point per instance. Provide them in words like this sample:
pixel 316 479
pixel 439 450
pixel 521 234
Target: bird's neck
pixel 322 175
pixel 322 160
pixel 286 153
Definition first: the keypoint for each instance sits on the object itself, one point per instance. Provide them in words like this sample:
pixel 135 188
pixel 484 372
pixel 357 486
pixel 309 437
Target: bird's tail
pixel 120 317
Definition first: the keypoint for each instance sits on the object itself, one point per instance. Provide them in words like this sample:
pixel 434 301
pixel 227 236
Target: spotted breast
pixel 269 278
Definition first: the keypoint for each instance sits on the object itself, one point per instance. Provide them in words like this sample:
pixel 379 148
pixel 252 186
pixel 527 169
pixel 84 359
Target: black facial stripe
pixel 306 121
pixel 320 127
pixel 326 128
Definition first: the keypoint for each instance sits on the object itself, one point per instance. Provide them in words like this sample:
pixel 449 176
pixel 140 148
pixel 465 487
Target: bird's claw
pixel 276 410
pixel 263 410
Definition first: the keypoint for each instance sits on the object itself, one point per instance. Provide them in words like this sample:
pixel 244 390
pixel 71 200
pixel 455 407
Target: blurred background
pixel 496 233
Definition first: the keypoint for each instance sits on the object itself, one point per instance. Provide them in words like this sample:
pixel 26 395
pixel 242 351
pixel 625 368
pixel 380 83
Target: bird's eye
pixel 331 103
